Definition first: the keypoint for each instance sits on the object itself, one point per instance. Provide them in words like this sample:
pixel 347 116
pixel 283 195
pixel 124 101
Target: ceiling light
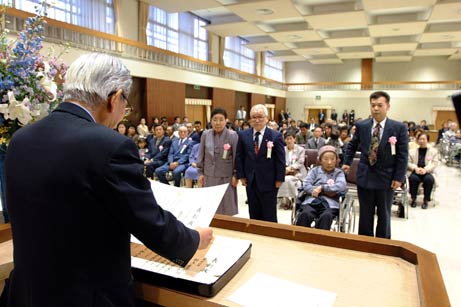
pixel 395 29
pixel 447 36
pixel 263 12
pixel 459 12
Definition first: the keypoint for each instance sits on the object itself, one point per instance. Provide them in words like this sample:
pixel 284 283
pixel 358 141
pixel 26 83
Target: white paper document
pixel 193 207
pixel 268 291
pixel 205 267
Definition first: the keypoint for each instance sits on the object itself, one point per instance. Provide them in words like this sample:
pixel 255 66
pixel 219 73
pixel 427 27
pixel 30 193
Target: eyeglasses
pixel 128 108
pixel 257 117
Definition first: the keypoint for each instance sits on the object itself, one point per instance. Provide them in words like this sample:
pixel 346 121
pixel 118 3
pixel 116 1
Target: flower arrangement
pixel 226 148
pixel 30 83
pixel 269 144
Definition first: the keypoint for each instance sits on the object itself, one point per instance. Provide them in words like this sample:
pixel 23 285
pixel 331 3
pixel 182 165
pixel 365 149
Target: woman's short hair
pixel 421 134
pixel 290 134
pixel 93 77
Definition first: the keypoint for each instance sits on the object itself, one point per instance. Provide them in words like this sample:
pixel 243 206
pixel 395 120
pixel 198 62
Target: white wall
pixel 405 105
pixel 304 72
pixel 419 69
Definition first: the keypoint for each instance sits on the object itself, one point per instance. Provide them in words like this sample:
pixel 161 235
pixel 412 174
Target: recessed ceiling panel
pixel 395 47
pixel 348 42
pixel 296 36
pixel 343 21
pixel 234 29
pixel 434 52
pixel 393 59
pixel 265 10
pixel 356 55
pixel 441 37
pixel 444 12
pixel 397 29
pixel 326 61
pixel 313 51
pixel 266 47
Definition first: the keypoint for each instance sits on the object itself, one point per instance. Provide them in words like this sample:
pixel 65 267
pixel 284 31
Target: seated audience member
pixel 295 171
pixel 191 172
pixel 142 128
pixel 441 131
pixel 335 141
pixel 422 162
pixel 177 123
pixel 323 185
pixel 159 147
pixel 317 140
pixel 293 128
pixel 131 133
pixel 246 125
pixel 121 128
pixel 327 130
pixel 169 132
pixel 423 125
pixel 344 136
pixel 455 142
pixel 352 131
pixel 312 124
pixel 451 132
pixel 142 148
pixel 178 158
pixel 304 134
pixel 191 133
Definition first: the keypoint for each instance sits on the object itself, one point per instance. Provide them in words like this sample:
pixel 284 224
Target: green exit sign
pixel 318 97
pixel 196 87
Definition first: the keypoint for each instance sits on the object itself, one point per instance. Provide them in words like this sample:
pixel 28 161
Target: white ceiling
pixel 330 31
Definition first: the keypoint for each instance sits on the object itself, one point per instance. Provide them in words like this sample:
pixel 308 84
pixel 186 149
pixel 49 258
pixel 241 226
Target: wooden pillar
pixel 367 74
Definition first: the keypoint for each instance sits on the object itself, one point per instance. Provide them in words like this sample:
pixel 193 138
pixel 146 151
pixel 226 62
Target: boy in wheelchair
pixel 322 187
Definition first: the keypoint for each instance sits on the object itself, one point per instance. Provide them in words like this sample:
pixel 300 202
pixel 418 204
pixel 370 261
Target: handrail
pixel 133 49
pixel 105 36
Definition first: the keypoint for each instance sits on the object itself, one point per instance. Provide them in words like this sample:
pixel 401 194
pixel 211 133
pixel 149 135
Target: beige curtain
pixel 143 17
pixel 118 16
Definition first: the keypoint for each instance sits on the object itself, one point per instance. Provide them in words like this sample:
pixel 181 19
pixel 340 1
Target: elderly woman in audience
pixel 216 160
pixel 422 162
pixel 295 171
pixel 142 128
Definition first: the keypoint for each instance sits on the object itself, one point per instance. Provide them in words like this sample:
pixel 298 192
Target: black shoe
pixel 413 203
pixel 424 205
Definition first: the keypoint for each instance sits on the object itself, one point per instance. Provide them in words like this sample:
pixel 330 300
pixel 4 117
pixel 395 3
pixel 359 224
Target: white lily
pixel 18 110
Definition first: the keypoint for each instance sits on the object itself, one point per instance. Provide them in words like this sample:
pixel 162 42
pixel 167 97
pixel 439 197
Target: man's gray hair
pixel 259 107
pixel 93 77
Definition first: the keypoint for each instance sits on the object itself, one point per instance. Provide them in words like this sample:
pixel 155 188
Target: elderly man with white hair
pixel 260 162
pixel 75 201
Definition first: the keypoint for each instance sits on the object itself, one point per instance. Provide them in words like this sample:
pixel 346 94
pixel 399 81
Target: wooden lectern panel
pixel 362 271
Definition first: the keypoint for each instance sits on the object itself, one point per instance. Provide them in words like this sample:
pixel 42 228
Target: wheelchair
pixel 344 221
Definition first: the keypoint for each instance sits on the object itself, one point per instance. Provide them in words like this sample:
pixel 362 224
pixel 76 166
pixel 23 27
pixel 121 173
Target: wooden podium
pixel 362 271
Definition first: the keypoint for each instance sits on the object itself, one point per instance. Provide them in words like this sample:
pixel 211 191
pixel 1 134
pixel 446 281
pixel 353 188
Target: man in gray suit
pixel 317 140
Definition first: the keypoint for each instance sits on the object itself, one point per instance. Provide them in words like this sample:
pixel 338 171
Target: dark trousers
pixel 262 205
pixel 370 199
pixel 428 184
pixel 151 167
pixel 323 215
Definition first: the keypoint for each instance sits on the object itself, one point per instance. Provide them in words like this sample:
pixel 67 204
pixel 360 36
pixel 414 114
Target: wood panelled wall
pixel 257 99
pixel 165 98
pixel 280 104
pixel 225 99
pixel 137 100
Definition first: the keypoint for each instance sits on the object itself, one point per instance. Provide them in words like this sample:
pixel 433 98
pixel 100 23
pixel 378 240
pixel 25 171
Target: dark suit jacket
pixel 457 104
pixel 155 152
pixel 180 154
pixel 388 167
pixel 258 167
pixel 73 204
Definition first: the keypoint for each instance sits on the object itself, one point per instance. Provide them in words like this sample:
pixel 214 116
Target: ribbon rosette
pixel 393 141
pixel 331 181
pixel 226 150
pixel 428 158
pixel 270 144
pixel 160 148
pixel 183 148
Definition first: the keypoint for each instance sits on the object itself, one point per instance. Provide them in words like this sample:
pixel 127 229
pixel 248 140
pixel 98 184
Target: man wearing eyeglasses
pixel 260 160
pixel 77 199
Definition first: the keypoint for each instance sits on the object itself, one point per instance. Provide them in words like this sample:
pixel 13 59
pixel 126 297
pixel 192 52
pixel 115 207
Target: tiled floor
pixel 436 229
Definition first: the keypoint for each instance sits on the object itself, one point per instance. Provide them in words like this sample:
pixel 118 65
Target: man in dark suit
pixel 159 147
pixel 260 160
pixel 74 203
pixel 316 141
pixel 383 143
pixel 178 158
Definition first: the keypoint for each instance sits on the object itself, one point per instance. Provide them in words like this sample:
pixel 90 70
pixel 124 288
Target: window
pixel 94 14
pixel 177 32
pixel 237 56
pixel 273 69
